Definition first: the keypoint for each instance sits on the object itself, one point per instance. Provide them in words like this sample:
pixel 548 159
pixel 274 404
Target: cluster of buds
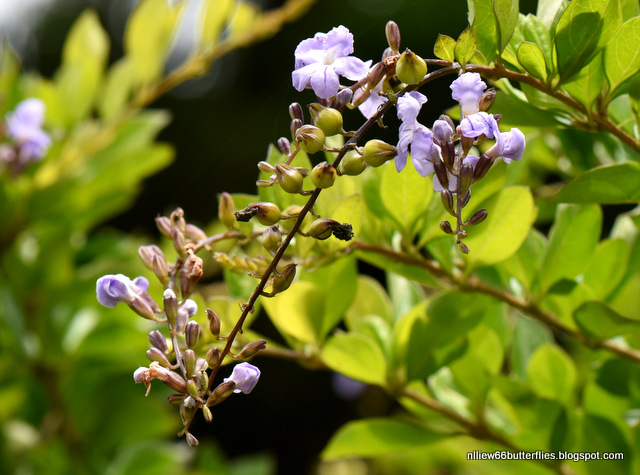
pixel 187 359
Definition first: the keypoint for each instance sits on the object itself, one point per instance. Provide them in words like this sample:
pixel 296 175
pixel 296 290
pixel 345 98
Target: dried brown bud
pixel 487 100
pixel 392 32
pixel 177 219
pixel 214 324
pixel 157 339
pixel 179 241
pixel 190 274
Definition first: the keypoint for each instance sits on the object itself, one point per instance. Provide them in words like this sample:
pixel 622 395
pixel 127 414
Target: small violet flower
pixel 321 59
pixel 24 126
pixel 245 376
pixel 414 135
pixel 509 145
pixel 468 90
pixel 479 124
pixel 113 289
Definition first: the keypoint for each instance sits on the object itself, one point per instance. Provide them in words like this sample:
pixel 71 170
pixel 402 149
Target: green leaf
pixel 531 58
pixel 584 28
pixel 405 195
pixel 535 31
pixel 552 373
pixel 411 271
pixel 465 47
pixel 214 15
pixel 298 311
pixel 356 356
pixel 610 184
pixel 587 84
pixel 598 434
pixel 528 335
pixel 84 57
pixel 511 214
pixel 483 21
pixel 148 36
pixel 116 89
pixel 506 12
pixel 622 55
pixel 524 264
pixel 370 299
pixel 338 283
pixel 549 11
pixel 572 241
pixel 600 322
pixel 445 47
pixel 376 437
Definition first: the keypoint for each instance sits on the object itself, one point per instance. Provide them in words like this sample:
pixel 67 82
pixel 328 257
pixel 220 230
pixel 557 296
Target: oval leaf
pixel 465 47
pixel 609 184
pixel 356 356
pixel 622 55
pixel 444 48
pixel 531 58
pixel 552 373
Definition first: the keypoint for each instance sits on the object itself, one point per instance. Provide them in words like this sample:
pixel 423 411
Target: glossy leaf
pixel 552 373
pixel 405 195
pixel 587 84
pixel 622 55
pixel 600 322
pixel 511 214
pixel 356 356
pixel 376 437
pixel 549 11
pixel 370 299
pixel 465 46
pixel 483 21
pixel 607 184
pixel 584 28
pixel 444 48
pixel 531 58
pixel 506 12
pixel 572 241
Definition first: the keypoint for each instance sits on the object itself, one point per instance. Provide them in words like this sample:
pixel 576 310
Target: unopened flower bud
pixel 375 152
pixel 447 201
pixel 190 358
pixel 188 410
pixel 206 412
pixel 158 340
pixel 466 177
pixel 221 392
pixel 323 175
pixel 342 99
pixel 213 356
pixel 251 348
pixel 441 173
pixel 178 241
pixel 154 354
pixel 352 163
pixel 294 126
pixel 266 167
pixel 326 119
pixel 192 332
pixel 310 138
pixel 463 247
pixel 164 225
pixel 201 365
pixel 482 167
pixel 284 145
pixel 214 324
pixel 194 233
pixel 448 151
pixel 392 32
pixel 192 387
pixel 283 279
pixel 376 75
pixel 202 381
pixel 322 229
pixel 176 399
pixel 477 217
pixel 411 68
pixel 465 198
pixel 170 306
pixel 190 275
pixel 296 112
pixel 177 219
pixel 290 178
pixel 191 440
pixel 487 99
pixel 227 210
pixel 271 238
pixel 446 227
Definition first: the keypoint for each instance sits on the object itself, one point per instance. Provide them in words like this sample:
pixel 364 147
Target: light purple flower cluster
pixel 24 126
pixel 322 59
pixel 415 136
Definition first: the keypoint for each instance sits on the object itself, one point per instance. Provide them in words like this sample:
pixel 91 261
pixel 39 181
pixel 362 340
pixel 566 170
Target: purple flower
pixel 321 59
pixel 468 90
pixel 511 145
pixel 245 376
pixel 453 180
pixel 187 310
pixel 442 131
pixel 24 126
pixel 479 124
pixel 414 135
pixel 375 100
pixel 113 289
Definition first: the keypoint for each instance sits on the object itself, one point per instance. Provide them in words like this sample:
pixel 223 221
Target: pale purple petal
pixel 142 283
pixel 423 150
pixel 442 131
pixel 468 90
pixel 301 77
pixel 409 106
pixel 245 376
pixel 339 42
pixel 310 51
pixel 325 83
pixel 479 124
pixel 405 135
pixel 113 289
pixel 513 145
pixel 351 67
